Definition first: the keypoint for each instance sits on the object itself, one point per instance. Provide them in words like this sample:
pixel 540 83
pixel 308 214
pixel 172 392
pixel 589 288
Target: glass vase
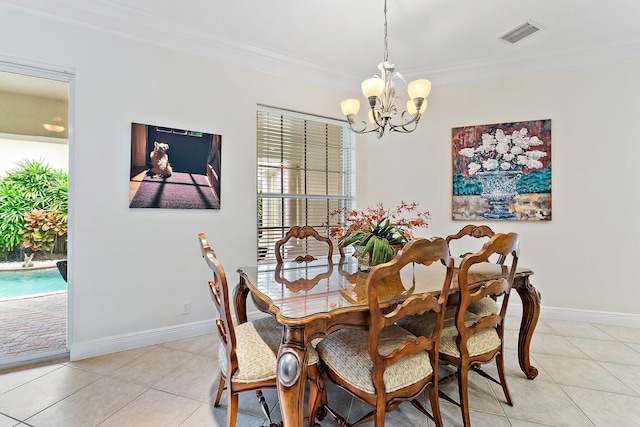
pixel 364 259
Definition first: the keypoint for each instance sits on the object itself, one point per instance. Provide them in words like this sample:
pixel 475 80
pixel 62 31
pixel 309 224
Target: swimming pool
pixel 30 282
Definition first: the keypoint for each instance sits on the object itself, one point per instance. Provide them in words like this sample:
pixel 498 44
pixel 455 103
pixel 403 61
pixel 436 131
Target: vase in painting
pixel 499 188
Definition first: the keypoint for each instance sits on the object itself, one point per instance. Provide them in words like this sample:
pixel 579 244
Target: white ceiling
pixel 34 86
pixel 340 42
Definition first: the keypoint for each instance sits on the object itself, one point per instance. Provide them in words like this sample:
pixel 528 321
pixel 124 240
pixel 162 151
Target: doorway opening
pixel 34 211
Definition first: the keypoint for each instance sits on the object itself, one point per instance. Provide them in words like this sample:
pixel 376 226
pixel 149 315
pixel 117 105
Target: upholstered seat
pixel 483 341
pixel 257 345
pixel 484 307
pixel 345 352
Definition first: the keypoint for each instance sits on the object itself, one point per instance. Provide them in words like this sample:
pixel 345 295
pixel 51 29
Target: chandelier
pixel 380 91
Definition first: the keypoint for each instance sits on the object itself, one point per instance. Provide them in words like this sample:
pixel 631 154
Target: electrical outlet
pixel 186 307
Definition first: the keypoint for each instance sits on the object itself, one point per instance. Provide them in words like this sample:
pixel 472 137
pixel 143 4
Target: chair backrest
pixel 507 247
pixel 432 253
pixel 471 231
pixel 304 283
pixel 303 232
pixel 220 296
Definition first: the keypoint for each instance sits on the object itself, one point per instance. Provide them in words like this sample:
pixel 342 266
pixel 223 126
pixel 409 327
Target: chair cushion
pixel 484 307
pixel 345 353
pixel 422 325
pixel 257 345
pixel 483 341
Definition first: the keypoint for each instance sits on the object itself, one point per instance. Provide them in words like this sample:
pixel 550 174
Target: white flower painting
pixel 523 148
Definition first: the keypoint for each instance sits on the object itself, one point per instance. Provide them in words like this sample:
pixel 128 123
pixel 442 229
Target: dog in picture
pixel 160 166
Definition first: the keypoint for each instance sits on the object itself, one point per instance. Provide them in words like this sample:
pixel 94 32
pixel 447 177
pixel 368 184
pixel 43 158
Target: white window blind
pixel 304 171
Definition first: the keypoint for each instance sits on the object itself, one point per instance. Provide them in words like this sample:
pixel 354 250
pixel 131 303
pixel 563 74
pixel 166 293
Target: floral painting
pixel 502 171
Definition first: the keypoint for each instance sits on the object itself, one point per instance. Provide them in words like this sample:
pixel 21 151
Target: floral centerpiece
pixel 503 152
pixel 376 231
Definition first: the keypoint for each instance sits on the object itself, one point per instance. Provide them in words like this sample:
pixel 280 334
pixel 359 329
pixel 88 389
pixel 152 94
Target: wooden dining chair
pixel 248 351
pixel 469 340
pixel 387 365
pixel 302 232
pixel 488 305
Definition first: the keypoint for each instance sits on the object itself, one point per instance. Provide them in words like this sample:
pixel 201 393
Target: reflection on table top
pixel 300 290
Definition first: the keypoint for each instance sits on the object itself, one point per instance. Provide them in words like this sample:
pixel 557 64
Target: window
pixel 304 171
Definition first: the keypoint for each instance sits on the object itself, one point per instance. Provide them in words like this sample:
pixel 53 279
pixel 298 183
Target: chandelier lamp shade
pixel 380 91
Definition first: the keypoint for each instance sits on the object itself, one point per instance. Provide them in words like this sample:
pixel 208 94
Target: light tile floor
pixel 589 376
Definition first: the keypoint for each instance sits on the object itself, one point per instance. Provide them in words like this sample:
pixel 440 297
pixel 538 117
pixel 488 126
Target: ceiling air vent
pixel 521 32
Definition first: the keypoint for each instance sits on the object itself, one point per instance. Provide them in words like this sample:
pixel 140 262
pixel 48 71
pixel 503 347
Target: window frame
pixel 292 199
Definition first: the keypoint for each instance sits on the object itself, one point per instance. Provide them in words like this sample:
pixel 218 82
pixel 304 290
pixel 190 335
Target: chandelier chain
pixel 386 47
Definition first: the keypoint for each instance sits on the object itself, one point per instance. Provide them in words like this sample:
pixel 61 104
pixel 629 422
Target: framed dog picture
pixel 174 168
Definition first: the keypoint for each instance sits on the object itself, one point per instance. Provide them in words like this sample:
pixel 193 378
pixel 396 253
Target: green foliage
pixel 12 208
pixel 43 228
pixel 32 185
pixel 379 241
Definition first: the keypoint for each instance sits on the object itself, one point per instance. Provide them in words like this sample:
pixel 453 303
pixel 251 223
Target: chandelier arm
pixel 397 128
pixel 414 118
pixel 375 119
pixel 364 128
pixel 402 128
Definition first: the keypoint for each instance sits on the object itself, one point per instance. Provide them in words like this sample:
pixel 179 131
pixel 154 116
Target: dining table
pixel 314 299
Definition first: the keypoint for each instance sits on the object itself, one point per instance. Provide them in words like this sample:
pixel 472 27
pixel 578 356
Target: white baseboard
pixel 99 347
pixel 575 315
pixel 93 348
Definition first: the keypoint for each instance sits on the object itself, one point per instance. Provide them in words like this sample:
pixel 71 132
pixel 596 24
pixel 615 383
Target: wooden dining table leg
pixel 292 376
pixel 530 298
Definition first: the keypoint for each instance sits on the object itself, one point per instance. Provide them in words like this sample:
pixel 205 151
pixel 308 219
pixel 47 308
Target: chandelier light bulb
pixel 419 88
pixel 373 87
pixel 350 106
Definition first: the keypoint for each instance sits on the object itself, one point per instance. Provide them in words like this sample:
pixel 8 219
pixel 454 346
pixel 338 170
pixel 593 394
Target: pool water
pixel 30 282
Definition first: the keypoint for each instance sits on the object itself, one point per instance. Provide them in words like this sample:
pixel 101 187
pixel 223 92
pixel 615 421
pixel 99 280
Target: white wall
pixel 585 258
pixel 14 150
pixel 132 268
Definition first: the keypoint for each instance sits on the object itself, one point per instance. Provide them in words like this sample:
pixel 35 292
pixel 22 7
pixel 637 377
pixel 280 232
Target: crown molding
pixel 514 66
pixel 118 17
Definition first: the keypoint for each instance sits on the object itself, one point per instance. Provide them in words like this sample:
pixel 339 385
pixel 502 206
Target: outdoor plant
pixel 377 229
pixel 503 152
pixel 43 230
pixel 31 185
